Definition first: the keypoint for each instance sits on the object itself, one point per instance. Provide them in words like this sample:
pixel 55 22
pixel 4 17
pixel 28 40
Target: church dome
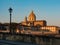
pixel 32 17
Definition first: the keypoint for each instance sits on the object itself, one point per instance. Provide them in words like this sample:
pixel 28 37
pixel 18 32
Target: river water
pixel 53 42
pixel 6 42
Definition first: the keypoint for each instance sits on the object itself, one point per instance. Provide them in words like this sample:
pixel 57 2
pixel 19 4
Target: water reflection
pixel 43 42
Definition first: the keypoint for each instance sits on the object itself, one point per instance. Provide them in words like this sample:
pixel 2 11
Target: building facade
pixel 30 23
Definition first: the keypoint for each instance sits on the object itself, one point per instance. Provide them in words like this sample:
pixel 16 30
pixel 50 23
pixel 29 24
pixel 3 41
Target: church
pixel 30 23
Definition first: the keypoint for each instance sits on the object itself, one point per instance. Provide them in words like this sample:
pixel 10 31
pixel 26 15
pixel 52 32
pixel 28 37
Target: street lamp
pixel 10 11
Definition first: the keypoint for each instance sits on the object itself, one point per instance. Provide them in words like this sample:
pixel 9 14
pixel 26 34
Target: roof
pixel 32 14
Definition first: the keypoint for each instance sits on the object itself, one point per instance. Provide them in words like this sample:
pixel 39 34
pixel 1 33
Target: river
pixel 6 42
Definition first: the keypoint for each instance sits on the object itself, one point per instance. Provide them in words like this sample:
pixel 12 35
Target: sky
pixel 48 10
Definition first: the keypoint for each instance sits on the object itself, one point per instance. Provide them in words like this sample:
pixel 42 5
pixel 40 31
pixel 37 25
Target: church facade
pixel 40 25
pixel 31 21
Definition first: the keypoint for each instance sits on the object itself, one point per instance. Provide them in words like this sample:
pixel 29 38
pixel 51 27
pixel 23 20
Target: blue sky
pixel 48 10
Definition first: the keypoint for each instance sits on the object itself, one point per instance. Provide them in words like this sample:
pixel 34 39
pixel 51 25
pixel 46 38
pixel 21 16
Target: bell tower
pixel 25 19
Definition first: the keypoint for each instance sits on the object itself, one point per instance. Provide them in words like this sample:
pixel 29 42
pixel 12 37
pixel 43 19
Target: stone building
pixel 30 23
